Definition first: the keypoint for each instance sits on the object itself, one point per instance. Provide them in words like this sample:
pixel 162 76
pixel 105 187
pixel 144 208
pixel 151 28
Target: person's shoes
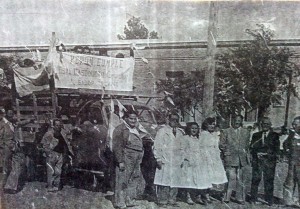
pixel 120 207
pixel 131 203
pixel 173 203
pixel 224 201
pixel 241 202
pixel 207 198
pixel 190 201
pixel 10 191
pixel 269 201
pixel 254 202
pixel 162 205
pixel 109 193
pixel 294 205
pixel 53 189
pixel 200 201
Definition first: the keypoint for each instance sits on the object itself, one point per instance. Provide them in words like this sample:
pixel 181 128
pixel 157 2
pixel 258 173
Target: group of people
pixel 195 159
pixel 13 157
pixel 191 160
pixel 184 161
pixel 55 146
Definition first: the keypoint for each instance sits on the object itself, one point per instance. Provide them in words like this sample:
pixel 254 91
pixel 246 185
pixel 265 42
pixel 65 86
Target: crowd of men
pixel 239 147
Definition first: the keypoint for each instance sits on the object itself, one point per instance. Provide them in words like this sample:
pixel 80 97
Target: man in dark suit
pixel 264 147
pixel 234 145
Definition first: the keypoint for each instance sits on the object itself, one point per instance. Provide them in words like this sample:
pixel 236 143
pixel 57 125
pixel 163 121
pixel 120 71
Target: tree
pixel 135 29
pixel 253 75
pixel 153 35
pixel 186 93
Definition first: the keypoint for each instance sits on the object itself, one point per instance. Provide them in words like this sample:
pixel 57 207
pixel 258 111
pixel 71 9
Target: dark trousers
pixel 264 166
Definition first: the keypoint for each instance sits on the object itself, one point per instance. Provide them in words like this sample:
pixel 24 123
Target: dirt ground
pixel 34 195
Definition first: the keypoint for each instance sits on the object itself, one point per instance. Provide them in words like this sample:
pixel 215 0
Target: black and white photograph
pixel 149 104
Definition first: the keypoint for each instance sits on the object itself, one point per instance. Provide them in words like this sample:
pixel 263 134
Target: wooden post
pixel 18 110
pixel 288 97
pixel 19 119
pixel 52 83
pixel 209 81
pixel 35 112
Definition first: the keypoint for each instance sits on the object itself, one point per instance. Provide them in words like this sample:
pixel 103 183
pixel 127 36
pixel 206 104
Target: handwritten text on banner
pixel 94 72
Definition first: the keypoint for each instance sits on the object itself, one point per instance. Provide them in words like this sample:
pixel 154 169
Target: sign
pixel 93 72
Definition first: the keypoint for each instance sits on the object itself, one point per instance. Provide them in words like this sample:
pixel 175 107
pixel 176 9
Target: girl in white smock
pixel 209 141
pixel 193 170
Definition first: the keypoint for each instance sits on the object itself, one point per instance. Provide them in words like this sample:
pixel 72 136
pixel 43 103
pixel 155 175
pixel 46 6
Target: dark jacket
pixel 235 146
pixel 271 146
pixel 89 144
pixel 49 142
pixel 291 147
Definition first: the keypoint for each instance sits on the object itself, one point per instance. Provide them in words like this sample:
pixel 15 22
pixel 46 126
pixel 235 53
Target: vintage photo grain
pixel 149 104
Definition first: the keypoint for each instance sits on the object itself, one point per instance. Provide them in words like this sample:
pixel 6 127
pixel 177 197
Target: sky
pixel 31 22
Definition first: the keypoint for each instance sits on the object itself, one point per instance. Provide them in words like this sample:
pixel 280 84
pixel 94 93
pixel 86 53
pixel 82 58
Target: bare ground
pixel 34 195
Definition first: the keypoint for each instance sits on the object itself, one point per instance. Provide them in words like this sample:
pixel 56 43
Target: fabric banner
pixel 29 79
pixel 93 72
pixel 36 77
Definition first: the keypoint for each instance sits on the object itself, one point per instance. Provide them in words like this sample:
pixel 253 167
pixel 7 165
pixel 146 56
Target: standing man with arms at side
pixel 14 152
pixel 165 145
pixel 128 152
pixel 234 145
pixel 264 147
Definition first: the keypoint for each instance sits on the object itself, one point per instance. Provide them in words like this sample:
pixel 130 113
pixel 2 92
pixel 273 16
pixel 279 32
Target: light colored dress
pixel 193 171
pixel 210 143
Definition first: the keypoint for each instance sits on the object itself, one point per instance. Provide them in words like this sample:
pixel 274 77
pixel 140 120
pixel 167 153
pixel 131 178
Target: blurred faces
pixel 57 126
pixel 266 124
pixel 238 121
pixel 211 127
pixel 10 115
pixel 173 121
pixel 194 130
pixel 296 125
pixel 131 120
